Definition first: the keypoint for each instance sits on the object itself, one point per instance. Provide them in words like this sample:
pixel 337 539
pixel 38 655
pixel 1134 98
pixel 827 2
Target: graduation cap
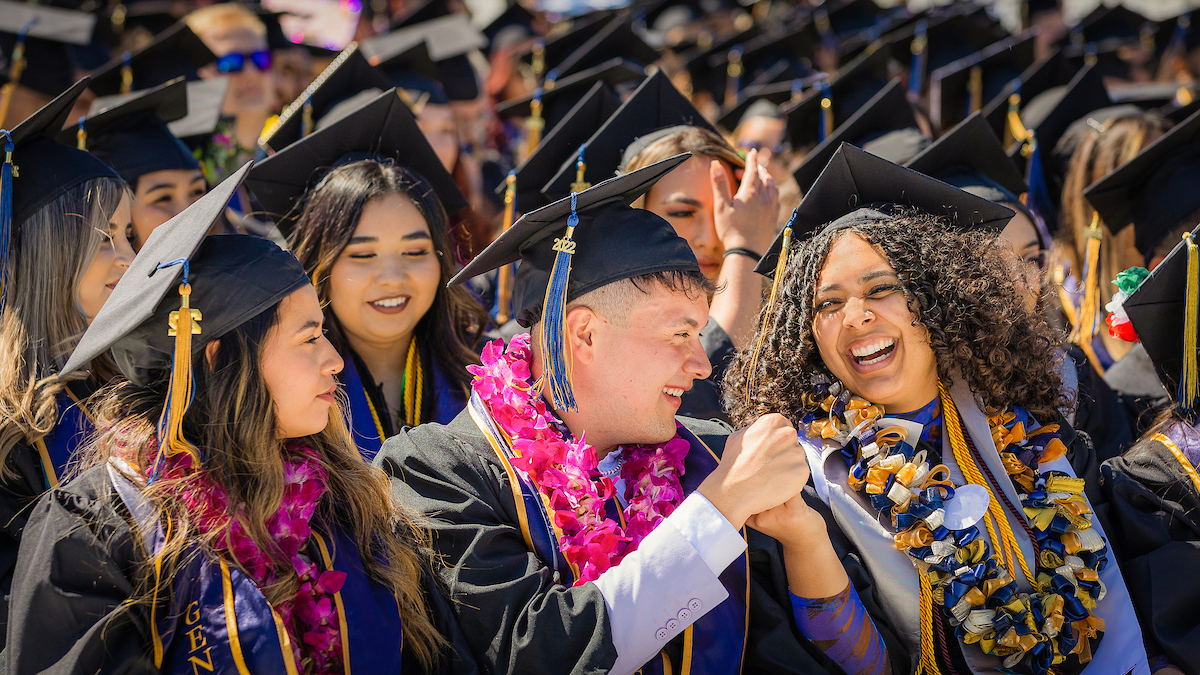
pixel 855 181
pixel 182 291
pixel 514 25
pixel 1110 57
pixel 1102 23
pixel 575 245
pixel 1050 71
pixel 709 77
pixel 41 39
pixel 347 75
pixel 970 157
pixel 561 144
pixel 448 40
pixel 425 10
pixel 982 79
pixel 615 38
pixel 654 106
pixel 886 126
pixel 1150 95
pixel 549 52
pixel 204 99
pixel 796 48
pixel 177 52
pixel 764 100
pixel 1163 312
pixel 382 129
pixel 1156 190
pixel 852 86
pixel 929 44
pixel 132 136
pixel 39 167
pixel 849 17
pixel 557 101
pixel 151 16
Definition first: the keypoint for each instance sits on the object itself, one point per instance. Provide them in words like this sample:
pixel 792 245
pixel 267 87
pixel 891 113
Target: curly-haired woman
pixel 901 348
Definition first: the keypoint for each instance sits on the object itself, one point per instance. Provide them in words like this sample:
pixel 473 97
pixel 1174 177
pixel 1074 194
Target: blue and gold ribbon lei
pixel 969 577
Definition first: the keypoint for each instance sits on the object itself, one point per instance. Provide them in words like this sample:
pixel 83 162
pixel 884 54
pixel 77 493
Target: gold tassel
pixel 179 392
pixel 780 266
pixel 414 385
pixel 81 137
pixel 538 61
pixel 975 89
pixel 1014 130
pixel 14 76
pixel 1089 308
pixel 1189 378
pixel 927 665
pixel 534 124
pixel 504 280
pixel 306 118
pixel 827 114
pixel 126 76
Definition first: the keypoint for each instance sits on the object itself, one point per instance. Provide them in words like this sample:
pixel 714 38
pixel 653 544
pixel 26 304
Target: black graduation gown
pixel 1098 411
pixel 1153 522
pixel 523 620
pixel 78 564
pixel 1138 388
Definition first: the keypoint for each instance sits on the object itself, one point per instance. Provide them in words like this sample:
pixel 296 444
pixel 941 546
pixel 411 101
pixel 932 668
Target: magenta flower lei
pixel 565 471
pixel 311 616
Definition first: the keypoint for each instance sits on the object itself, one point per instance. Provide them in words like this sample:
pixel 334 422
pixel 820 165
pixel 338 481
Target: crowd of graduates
pixel 699 336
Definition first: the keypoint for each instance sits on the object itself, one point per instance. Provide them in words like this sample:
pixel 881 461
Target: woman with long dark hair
pixel 226 521
pixel 928 400
pixel 69 244
pixel 372 234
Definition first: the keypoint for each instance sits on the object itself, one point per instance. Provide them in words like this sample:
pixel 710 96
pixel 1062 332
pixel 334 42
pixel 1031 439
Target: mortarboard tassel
pixel 733 76
pixel 1038 199
pixel 1014 129
pixel 126 74
pixel 180 388
pixel 556 362
pixel 1088 317
pixel 81 135
pixel 414 385
pixel 534 123
pixel 505 276
pixel 1189 377
pixel 538 60
pixel 825 124
pixel 975 90
pixel 15 69
pixel 551 78
pixel 7 171
pixel 916 70
pixel 797 89
pixel 580 167
pixel 780 265
pixel 306 118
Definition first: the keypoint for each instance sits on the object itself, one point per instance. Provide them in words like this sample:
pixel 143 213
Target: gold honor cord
pixel 504 276
pixel 414 385
pixel 1189 377
pixel 1181 458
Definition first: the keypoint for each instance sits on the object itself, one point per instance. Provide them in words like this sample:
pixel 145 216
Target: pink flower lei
pixel 311 616
pixel 566 471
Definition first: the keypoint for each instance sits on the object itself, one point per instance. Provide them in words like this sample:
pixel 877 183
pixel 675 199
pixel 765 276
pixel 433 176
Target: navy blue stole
pixel 57 449
pixel 219 622
pixel 715 643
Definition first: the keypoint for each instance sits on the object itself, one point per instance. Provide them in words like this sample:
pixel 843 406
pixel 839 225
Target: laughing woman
pixel 227 522
pixel 901 348
pixel 69 247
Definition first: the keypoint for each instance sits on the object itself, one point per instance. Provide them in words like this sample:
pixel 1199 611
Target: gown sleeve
pixel 75 573
pixel 1152 517
pixel 18 492
pixel 1098 411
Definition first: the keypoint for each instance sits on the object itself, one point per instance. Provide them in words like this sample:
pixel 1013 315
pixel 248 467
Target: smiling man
pixel 583 527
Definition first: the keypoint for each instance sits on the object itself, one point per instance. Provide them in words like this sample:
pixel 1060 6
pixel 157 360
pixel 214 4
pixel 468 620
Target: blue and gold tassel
pixel 181 385
pixel 7 171
pixel 916 70
pixel 580 167
pixel 534 123
pixel 306 118
pixel 556 361
pixel 126 73
pixel 81 135
pixel 1189 378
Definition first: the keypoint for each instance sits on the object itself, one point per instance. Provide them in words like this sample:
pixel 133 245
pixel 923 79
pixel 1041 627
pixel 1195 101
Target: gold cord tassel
pixel 306 118
pixel 975 89
pixel 1189 378
pixel 928 662
pixel 126 75
pixel 534 124
pixel 1014 130
pixel 414 385
pixel 14 76
pixel 81 137
pixel 1089 308
pixel 504 279
pixel 769 308
pixel 182 325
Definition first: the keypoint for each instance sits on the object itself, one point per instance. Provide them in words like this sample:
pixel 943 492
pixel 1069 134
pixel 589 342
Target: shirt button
pixel 661 634
pixel 694 604
pixel 685 614
pixel 672 625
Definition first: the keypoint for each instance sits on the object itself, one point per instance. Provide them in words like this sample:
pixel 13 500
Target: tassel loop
pixel 505 275
pixel 538 60
pixel 556 359
pixel 1014 129
pixel 182 324
pixel 1189 377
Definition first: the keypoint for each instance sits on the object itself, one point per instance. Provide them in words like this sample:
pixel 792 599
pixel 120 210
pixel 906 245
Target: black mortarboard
pixel 561 144
pixel 205 286
pixel 49 64
pixel 886 126
pixel 382 129
pixel 347 75
pixel 556 102
pixel 763 98
pixel 152 16
pixel 615 39
pixel 852 86
pixel 424 10
pixel 1150 95
pixel 1117 21
pixel 514 24
pixel 979 80
pixel 849 17
pixel 605 241
pixel 654 106
pixel 448 40
pixel 970 157
pixel 47 167
pixel 177 52
pixel 400 61
pixel 1159 312
pixel 132 136
pixel 1156 190
pixel 856 180
pixel 1053 70
pixel 796 47
pixel 1108 57
pixel 945 39
pixel 709 77
pixel 204 98
pixel 559 45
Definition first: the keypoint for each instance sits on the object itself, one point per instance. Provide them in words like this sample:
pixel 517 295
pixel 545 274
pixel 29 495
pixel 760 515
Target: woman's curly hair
pixel 960 286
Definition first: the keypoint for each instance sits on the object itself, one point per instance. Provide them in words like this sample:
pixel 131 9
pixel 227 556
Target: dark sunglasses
pixel 776 149
pixel 233 63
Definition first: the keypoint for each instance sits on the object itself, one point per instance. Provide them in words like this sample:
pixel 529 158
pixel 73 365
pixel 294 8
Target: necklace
pixel 565 472
pixel 959 571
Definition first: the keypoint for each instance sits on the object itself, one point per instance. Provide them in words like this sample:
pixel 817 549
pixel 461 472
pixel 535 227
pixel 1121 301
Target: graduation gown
pixel 37 467
pixel 1098 411
pixel 367 411
pixel 1138 388
pixel 868 547
pixel 1153 522
pixel 512 590
pixel 86 543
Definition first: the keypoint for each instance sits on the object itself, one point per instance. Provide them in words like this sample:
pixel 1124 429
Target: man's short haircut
pixel 613 301
pixel 221 16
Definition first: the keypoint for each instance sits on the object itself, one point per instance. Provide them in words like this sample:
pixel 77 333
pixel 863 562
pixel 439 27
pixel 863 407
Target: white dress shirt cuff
pixel 709 532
